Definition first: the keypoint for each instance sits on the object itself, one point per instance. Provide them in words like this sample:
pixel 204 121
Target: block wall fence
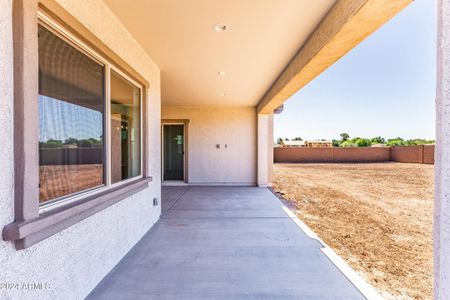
pixel 423 154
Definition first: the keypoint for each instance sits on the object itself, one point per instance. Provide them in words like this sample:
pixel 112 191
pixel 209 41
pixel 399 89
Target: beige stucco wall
pixel 72 262
pixel 233 126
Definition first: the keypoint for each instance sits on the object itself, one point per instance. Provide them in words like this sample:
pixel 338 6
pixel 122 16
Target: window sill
pixel 26 233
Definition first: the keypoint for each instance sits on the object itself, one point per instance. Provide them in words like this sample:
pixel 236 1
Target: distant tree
pixel 396 142
pixel 89 143
pixel 71 141
pixel 279 140
pixel 344 136
pixel 286 139
pixel 366 142
pixel 378 140
pixel 95 142
pixel 85 143
pixel 336 143
pixel 414 142
pixel 297 139
pixel 363 142
pixel 51 143
pixel 348 143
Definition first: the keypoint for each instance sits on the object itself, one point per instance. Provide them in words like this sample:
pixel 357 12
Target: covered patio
pixel 225 243
pixel 202 82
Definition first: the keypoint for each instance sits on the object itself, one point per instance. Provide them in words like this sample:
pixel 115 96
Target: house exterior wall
pixel 441 228
pixel 72 262
pixel 233 126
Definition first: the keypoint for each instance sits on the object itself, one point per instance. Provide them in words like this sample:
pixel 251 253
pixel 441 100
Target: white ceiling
pixel 179 36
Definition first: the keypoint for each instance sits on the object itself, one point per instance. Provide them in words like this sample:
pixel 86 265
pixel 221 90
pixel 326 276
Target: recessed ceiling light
pixel 223 94
pixel 221 27
pixel 221 73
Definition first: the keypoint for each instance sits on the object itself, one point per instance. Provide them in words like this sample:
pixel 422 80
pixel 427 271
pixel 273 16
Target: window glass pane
pixel 71 112
pixel 125 129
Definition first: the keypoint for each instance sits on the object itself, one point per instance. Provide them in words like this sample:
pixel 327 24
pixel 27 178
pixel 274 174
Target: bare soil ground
pixel 60 180
pixel 377 216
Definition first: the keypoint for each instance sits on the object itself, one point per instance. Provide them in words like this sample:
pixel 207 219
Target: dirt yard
pixel 377 216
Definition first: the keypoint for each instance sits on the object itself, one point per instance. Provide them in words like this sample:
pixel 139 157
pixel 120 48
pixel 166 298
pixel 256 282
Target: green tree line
pixel 82 143
pixel 346 141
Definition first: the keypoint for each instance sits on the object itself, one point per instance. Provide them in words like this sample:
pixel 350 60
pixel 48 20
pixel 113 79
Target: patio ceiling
pixel 262 37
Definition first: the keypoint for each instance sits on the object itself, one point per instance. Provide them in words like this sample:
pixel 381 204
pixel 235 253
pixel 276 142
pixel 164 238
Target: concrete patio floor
pixel 225 243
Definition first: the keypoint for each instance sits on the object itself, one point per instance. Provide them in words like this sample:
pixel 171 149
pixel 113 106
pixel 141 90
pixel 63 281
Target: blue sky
pixel 385 86
pixel 60 120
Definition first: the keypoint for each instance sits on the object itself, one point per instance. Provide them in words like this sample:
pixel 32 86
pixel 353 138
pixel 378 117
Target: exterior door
pixel 173 142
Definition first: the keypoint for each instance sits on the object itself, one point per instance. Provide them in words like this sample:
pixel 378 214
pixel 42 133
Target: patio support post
pixel 270 145
pixel 265 150
pixel 441 224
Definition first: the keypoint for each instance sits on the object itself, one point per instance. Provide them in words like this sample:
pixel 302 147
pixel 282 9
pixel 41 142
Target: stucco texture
pixel 442 158
pixel 71 263
pixel 234 127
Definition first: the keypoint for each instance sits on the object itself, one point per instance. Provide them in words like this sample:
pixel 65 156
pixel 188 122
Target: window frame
pixel 69 38
pixel 141 128
pixel 33 222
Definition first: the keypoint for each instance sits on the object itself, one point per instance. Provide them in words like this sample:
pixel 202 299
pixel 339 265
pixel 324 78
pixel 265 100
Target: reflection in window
pixel 125 129
pixel 71 112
